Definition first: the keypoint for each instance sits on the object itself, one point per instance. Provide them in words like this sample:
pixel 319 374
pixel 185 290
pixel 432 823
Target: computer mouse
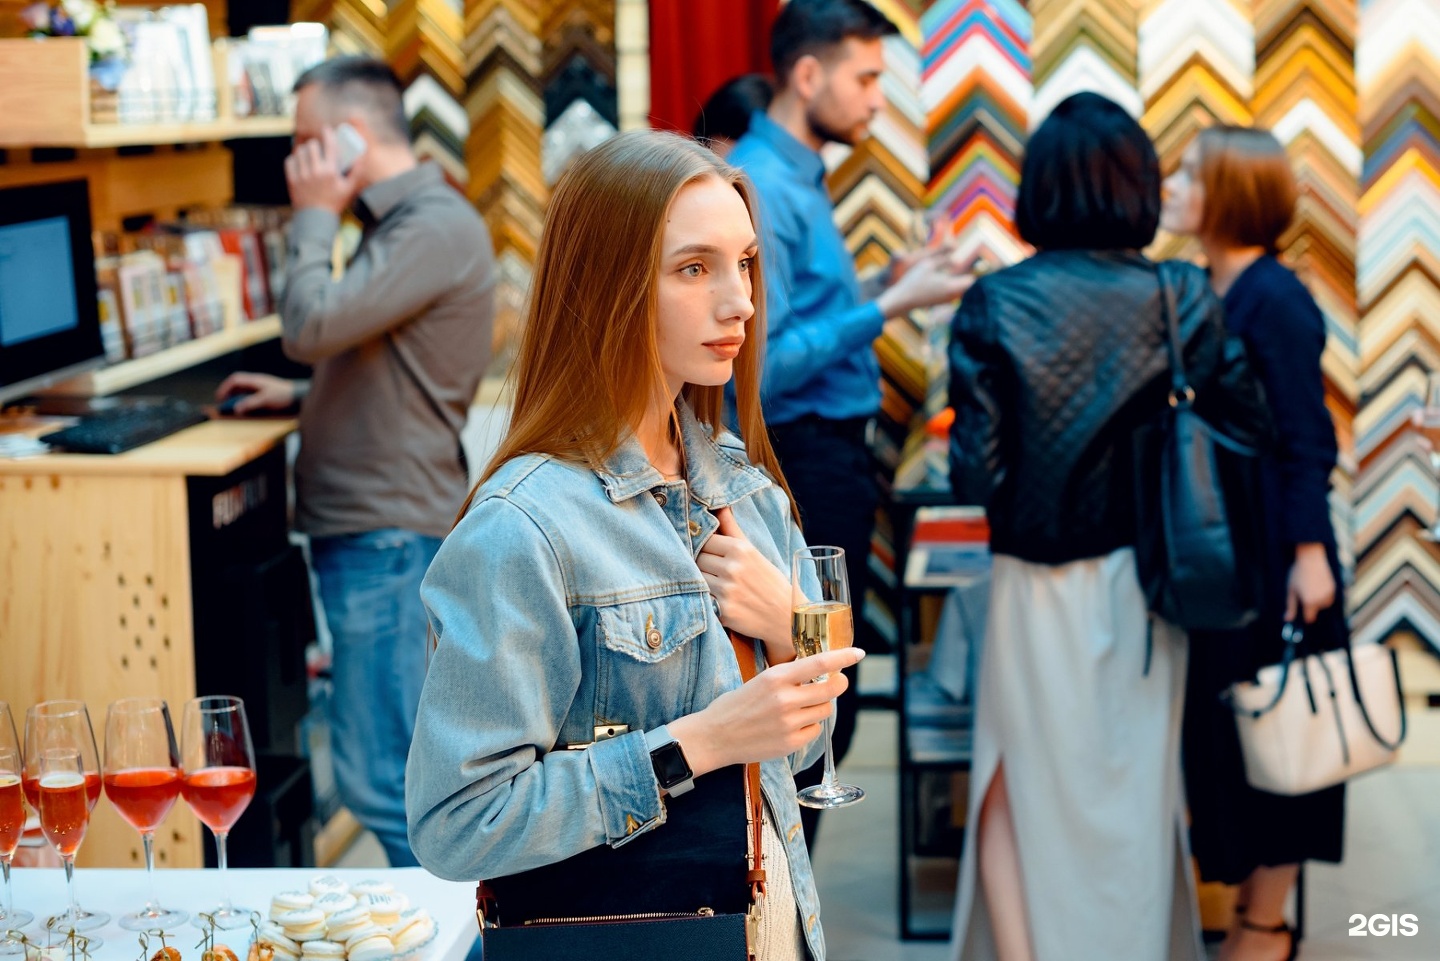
pixel 226 408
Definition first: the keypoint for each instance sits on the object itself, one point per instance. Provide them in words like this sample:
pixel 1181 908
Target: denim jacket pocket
pixel 648 658
pixel 650 631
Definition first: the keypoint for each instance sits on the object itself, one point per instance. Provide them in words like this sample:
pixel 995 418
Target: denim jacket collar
pixel 717 477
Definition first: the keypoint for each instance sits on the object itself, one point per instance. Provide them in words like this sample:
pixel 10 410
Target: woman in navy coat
pixel 1236 193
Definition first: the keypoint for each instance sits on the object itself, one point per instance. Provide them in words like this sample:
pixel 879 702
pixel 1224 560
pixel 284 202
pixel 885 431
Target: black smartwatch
pixel 671 769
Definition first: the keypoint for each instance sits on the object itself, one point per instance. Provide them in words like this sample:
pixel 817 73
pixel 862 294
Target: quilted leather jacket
pixel 1053 364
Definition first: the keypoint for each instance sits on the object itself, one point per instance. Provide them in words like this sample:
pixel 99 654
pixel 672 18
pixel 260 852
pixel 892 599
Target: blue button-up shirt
pixel 818 359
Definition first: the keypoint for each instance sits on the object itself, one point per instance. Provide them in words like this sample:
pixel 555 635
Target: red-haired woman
pixel 1236 193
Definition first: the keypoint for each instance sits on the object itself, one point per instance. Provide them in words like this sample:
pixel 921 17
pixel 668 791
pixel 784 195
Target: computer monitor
pixel 49 319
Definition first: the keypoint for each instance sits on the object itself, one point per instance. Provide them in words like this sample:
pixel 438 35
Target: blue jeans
pixel 370 589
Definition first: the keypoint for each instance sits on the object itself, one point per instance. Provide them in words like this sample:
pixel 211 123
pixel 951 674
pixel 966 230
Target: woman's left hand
pixel 1312 584
pixel 752 594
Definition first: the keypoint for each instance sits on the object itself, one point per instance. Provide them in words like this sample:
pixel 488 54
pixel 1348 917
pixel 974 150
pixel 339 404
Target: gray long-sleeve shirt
pixel 398 344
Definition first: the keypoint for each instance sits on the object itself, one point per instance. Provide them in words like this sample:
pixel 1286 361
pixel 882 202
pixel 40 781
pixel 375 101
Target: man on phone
pixel 398 344
pixel 822 379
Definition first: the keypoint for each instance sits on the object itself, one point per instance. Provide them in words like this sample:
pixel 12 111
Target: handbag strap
pixel 1365 713
pixel 1293 635
pixel 1181 393
pixel 749 667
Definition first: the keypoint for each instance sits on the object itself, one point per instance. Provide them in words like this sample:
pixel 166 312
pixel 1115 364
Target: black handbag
pixel 1197 507
pixel 685 890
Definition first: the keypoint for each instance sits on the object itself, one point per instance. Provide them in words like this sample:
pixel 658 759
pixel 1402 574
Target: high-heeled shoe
pixel 1281 928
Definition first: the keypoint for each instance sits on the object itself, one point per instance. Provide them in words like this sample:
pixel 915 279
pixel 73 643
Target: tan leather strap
pixel 745 655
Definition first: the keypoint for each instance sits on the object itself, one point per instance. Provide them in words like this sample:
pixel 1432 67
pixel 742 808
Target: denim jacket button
pixel 661 497
pixel 694 528
pixel 654 639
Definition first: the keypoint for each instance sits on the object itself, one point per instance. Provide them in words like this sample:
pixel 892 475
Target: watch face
pixel 670 765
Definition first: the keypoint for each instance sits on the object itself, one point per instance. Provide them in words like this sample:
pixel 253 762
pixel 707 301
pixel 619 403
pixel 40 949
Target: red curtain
pixel 696 46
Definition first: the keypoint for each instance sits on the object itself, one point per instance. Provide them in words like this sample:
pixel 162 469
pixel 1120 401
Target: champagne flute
pixel 63 725
pixel 219 780
pixel 821 621
pixel 64 816
pixel 142 780
pixel 1430 427
pixel 12 822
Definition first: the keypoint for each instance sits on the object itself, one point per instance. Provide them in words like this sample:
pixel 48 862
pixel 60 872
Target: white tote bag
pixel 1311 722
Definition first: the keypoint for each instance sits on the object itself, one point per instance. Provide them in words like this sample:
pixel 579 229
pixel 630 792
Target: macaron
pixel 370 930
pixel 282 952
pixel 372 887
pixel 413 931
pixel 328 884
pixel 273 934
pixel 287 901
pixel 326 950
pixel 342 924
pixel 335 902
pixel 384 908
pixel 375 948
pixel 302 926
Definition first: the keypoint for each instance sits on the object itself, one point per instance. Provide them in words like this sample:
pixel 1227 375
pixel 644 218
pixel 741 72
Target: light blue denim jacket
pixel 565 600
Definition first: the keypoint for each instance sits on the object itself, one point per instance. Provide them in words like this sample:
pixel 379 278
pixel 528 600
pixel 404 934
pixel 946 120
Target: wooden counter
pixel 95 590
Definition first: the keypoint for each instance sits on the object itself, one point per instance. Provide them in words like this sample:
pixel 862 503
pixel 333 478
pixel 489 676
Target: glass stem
pixel 152 907
pixel 829 781
pixel 74 917
pixel 7 908
pixel 226 905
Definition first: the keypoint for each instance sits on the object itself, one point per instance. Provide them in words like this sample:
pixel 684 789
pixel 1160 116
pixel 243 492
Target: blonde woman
pixel 616 536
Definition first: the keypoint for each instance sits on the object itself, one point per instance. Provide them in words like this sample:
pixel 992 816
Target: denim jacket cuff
pixel 630 801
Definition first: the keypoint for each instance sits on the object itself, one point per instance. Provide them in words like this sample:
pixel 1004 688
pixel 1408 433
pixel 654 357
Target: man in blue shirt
pixel 822 381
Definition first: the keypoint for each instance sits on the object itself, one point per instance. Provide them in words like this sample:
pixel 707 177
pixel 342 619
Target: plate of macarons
pixel 335 921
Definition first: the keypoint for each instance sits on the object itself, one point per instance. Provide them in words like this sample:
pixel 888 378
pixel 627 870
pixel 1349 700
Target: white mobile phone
pixel 351 147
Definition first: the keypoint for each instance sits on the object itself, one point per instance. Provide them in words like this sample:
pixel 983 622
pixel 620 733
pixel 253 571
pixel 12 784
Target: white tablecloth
pixel 41 891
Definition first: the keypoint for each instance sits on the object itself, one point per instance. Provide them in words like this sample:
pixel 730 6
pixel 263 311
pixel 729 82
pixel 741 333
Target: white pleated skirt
pixel 1091 750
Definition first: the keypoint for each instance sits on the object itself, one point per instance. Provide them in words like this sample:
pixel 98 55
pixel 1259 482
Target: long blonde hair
pixel 589 365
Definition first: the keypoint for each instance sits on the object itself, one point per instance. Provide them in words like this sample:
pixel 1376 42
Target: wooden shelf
pixel 142 370
pixel 45 102
pixel 133 134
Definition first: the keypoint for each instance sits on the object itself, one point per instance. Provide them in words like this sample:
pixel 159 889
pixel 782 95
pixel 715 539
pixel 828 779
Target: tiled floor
pixel 1392 863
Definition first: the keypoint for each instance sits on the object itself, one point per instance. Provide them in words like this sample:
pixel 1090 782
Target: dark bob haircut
pixel 727 112
pixel 1090 180
pixel 817 27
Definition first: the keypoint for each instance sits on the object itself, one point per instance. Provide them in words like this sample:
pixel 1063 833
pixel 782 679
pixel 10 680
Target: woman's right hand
pixel 772 715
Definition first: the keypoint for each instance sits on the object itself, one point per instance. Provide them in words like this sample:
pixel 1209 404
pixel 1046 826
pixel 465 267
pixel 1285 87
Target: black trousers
pixel 832 475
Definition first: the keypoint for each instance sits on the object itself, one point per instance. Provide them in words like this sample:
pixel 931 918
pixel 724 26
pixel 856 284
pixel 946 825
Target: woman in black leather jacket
pixel 1076 840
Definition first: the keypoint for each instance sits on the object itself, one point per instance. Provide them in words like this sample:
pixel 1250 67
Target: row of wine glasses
pixel 144 773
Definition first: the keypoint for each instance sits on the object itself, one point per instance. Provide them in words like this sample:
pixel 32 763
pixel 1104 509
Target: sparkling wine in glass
pixel 142 781
pixel 64 817
pixel 12 822
pixel 218 780
pixel 821 621
pixel 64 725
pixel 1430 428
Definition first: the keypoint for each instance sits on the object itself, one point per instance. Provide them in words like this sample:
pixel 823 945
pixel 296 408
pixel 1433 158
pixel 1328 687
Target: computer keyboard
pixel 121 429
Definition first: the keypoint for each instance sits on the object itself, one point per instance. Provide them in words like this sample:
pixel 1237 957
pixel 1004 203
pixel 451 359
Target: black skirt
pixel 1233 827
